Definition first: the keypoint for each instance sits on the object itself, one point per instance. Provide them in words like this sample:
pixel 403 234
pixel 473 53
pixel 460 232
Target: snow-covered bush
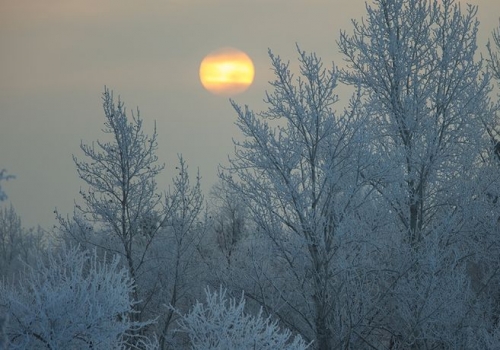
pixel 70 301
pixel 222 324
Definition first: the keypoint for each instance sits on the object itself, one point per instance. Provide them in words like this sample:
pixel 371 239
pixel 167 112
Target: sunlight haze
pixel 57 56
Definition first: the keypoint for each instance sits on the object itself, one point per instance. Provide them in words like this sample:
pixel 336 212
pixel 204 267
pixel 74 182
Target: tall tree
pixel 427 94
pixel 415 63
pixel 123 213
pixel 122 191
pixel 297 169
pixel 174 274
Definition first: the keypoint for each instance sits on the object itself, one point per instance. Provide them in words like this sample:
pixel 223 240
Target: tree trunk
pixel 321 302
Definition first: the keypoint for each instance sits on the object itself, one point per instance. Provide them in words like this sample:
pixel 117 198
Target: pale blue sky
pixel 57 55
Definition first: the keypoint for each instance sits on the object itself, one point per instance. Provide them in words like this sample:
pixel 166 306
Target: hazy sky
pixel 56 56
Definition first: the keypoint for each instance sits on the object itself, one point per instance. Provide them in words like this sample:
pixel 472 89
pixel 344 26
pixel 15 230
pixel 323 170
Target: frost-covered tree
pixel 222 324
pixel 299 170
pixel 121 210
pixel 229 217
pixel 17 244
pixel 416 66
pixel 494 51
pixel 174 272
pixel 72 300
pixel 123 213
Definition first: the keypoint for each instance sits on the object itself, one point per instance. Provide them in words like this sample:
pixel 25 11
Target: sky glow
pixel 58 55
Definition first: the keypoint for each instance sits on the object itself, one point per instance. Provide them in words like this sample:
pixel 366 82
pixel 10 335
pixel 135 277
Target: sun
pixel 226 72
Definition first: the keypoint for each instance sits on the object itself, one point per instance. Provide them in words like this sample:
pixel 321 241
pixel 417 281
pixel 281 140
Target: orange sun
pixel 226 72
